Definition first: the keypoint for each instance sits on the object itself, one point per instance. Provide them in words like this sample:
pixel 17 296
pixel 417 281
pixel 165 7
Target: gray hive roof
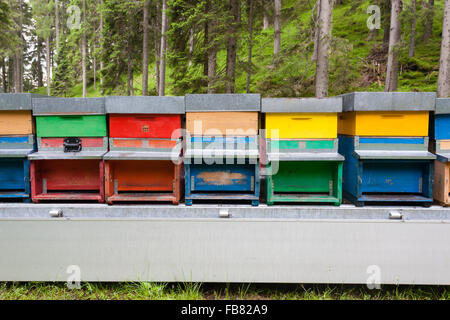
pixel 301 105
pixel 149 104
pixel 222 102
pixel 389 101
pixel 53 106
pixel 18 101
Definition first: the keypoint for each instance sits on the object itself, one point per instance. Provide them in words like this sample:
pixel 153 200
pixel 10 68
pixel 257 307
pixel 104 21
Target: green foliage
pixel 355 51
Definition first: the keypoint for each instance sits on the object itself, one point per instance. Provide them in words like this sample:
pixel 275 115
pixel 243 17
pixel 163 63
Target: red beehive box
pixel 144 162
pixel 72 141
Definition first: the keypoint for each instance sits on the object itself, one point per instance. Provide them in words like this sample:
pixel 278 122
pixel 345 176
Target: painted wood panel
pixel 304 176
pixel 12 174
pixel 16 123
pixel 302 125
pixel 441 126
pixel 441 182
pixel 142 181
pixel 224 177
pixel 221 123
pixel 144 126
pixel 71 126
pixel 296 145
pixel 67 180
pixel 397 177
pixel 142 175
pixel 375 123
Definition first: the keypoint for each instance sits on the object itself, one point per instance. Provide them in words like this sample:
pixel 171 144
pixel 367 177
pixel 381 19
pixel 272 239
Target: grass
pixel 197 291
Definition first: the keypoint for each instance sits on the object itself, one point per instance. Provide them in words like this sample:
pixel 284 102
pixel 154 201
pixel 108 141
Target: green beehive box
pixel 70 117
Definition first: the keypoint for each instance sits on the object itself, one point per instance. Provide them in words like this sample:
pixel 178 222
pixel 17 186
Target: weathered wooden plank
pixel 441 182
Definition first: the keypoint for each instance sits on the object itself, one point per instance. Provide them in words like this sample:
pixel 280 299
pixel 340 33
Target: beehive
pixel 72 139
pixel 144 162
pixel 440 131
pixel 384 138
pixel 303 164
pixel 222 147
pixel 16 142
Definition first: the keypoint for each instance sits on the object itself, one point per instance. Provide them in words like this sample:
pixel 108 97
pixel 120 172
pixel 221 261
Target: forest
pixel 279 48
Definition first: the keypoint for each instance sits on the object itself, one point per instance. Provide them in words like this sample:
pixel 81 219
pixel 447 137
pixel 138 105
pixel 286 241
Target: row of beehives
pixel 146 155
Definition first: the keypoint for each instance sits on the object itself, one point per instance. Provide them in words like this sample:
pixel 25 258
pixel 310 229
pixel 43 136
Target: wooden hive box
pixel 16 142
pixel 72 139
pixel 440 132
pixel 222 148
pixel 144 162
pixel 303 164
pixel 387 170
pixel 394 114
pixel 384 138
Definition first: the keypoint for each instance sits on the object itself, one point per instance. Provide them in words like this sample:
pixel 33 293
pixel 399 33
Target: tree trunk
pixel 57 24
pixel 18 83
pixel 47 63
pixel 191 45
pixel 94 65
pixel 212 56
pixel 162 67
pixel 63 18
pixel 444 67
pixel 130 62
pixel 394 39
pixel 83 51
pixel 316 29
pixel 412 39
pixel 429 16
pixel 145 51
pixel 386 21
pixel 101 41
pixel 206 40
pixel 157 38
pixel 323 47
pixel 266 16
pixel 250 43
pixel 4 79
pixel 232 47
pixel 38 63
pixel 10 74
pixel 277 32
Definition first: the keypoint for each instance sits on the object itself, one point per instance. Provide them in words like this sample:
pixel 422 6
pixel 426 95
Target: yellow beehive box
pixel 305 118
pixel 386 113
pixel 15 113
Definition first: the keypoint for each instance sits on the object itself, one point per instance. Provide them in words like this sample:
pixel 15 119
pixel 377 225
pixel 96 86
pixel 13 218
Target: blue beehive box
pixel 16 143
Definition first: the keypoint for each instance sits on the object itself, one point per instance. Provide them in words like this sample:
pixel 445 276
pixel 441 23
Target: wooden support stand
pixel 142 181
pixel 228 182
pixel 71 180
pixel 305 181
pixel 15 179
